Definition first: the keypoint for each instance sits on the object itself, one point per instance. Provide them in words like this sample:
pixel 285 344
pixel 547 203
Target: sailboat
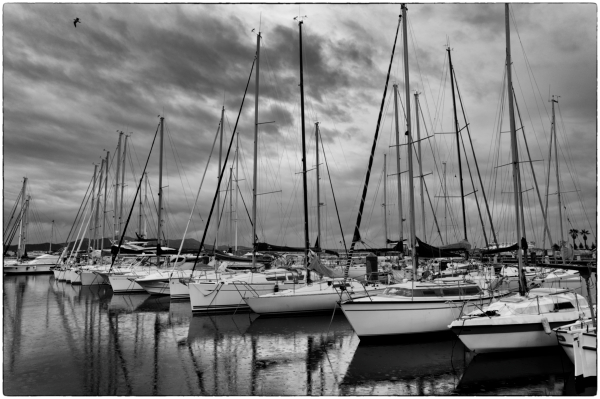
pixel 523 320
pixel 413 307
pixel 323 295
pixel 230 293
pixel 41 264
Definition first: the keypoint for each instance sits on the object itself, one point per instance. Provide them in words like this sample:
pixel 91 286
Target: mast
pixel 160 191
pixel 122 187
pixel 230 204
pixel 515 154
pixel 400 218
pixel 96 217
pixel 462 192
pixel 255 176
pixel 94 205
pixel 318 190
pixel 410 148
pixel 306 239
pixel 562 237
pixel 104 209
pixel 445 205
pixel 146 204
pixel 421 177
pixel 237 184
pixel 140 206
pixel 116 202
pixel 22 225
pixel 384 205
pixel 218 173
pixel 51 236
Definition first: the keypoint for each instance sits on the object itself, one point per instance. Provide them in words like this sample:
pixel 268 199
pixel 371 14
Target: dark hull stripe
pixel 505 328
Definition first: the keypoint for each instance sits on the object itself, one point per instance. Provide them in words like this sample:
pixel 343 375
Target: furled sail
pixel 425 250
pixel 263 246
pixel 511 248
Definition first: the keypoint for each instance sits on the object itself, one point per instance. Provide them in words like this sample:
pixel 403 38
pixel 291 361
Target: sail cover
pixel 263 246
pixel 511 248
pixel 425 250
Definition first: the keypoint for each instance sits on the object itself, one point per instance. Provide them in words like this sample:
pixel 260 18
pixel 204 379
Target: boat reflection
pixel 245 354
pixel 411 366
pixel 534 372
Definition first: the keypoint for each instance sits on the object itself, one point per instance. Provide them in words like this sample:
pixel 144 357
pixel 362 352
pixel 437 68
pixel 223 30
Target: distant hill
pixel 189 245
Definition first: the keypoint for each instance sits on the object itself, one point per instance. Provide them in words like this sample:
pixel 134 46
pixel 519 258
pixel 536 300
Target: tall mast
pixel 306 239
pixel 22 224
pixel 160 191
pixel 237 185
pixel 420 165
pixel 319 239
pixel 515 154
pixel 409 147
pixel 230 193
pixel 104 208
pixel 562 237
pixel 218 175
pixel 398 180
pixel 51 236
pixel 122 186
pixel 255 176
pixel 140 210
pixel 384 205
pixel 116 204
pixel 462 191
pixel 445 205
pixel 146 204
pixel 96 217
pixel 92 235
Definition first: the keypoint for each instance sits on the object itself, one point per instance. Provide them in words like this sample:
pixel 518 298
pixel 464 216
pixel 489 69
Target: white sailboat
pixel 524 320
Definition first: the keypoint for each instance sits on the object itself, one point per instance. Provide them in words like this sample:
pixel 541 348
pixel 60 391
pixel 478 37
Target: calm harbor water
pixel 61 339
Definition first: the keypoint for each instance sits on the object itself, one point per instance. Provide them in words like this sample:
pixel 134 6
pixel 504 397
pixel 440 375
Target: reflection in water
pixel 64 340
pixel 533 372
pixel 410 366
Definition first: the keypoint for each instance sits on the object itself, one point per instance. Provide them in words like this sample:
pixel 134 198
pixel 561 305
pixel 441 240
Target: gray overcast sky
pixel 68 90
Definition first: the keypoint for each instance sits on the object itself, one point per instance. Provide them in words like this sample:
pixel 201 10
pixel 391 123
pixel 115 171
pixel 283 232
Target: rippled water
pixel 61 339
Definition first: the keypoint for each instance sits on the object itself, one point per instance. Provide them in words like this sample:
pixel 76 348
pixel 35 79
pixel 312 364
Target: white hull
pixel 318 297
pixel 92 277
pixel 421 315
pixel 158 283
pixel 75 276
pixel 218 296
pixel 585 354
pixel 566 335
pixel 25 268
pixel 517 323
pixel 125 283
pixel 178 290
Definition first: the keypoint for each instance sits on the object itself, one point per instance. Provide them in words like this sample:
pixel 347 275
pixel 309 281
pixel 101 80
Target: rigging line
pixel 333 194
pixel 366 236
pixel 356 235
pixel 221 172
pixel 415 46
pixel 114 255
pixel 176 157
pixel 528 63
pixel 576 180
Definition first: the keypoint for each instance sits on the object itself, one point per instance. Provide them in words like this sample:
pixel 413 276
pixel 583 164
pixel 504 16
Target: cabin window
pixel 563 305
pixel 430 292
pixel 280 277
pixel 451 291
pixel 471 290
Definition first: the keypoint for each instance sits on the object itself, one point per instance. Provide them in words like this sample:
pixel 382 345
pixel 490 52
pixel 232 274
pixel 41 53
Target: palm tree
pixel 574 233
pixel 584 233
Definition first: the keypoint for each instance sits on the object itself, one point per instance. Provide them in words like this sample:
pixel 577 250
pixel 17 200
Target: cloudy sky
pixel 68 90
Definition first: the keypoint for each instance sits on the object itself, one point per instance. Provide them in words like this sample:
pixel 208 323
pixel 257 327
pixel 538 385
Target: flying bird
pixel 75 21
